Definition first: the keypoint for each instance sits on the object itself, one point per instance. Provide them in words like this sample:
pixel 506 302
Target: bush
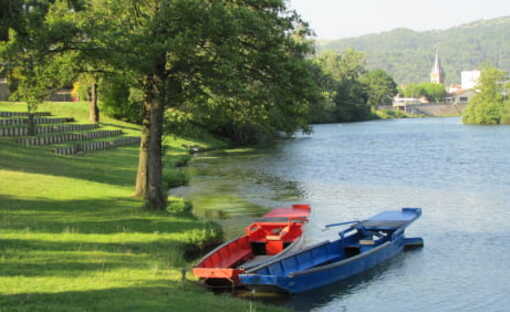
pixel 182 161
pixel 174 177
pixel 179 206
pixel 390 114
pixel 505 114
pixel 211 233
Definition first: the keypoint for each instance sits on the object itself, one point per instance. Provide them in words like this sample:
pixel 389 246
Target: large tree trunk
pixel 93 108
pixel 142 180
pixel 149 177
pixel 155 197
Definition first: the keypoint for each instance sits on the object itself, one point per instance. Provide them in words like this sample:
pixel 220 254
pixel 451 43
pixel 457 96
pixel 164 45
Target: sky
pixel 335 19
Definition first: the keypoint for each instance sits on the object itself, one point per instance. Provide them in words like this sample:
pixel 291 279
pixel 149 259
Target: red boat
pixel 276 234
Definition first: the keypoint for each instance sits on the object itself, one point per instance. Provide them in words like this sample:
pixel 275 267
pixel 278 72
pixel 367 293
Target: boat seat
pixel 280 235
pixel 366 242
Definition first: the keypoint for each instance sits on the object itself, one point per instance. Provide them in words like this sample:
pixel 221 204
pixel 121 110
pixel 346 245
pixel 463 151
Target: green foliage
pixel 408 56
pixel 434 92
pixel 233 68
pixel 348 90
pixel 118 100
pixel 505 114
pixel 179 206
pixel 351 101
pixel 381 87
pixel 175 177
pixel 488 106
pixel 31 53
pixel 209 234
pixel 182 160
pixel 391 114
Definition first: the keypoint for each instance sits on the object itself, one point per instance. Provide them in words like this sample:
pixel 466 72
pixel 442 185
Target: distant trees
pixel 491 105
pixel 350 91
pixel 408 55
pixel 434 92
pixel 381 87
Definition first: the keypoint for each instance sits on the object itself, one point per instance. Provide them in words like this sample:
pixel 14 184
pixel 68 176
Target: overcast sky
pixel 334 19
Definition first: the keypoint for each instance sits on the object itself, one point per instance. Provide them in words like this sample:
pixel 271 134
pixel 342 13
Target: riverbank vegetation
pixel 72 237
pixel 433 92
pixel 491 105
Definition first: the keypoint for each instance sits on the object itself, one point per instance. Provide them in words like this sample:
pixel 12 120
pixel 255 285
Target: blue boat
pixel 361 246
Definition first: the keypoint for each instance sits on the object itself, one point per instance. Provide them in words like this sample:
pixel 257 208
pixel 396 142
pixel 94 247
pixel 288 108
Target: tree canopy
pixel 381 87
pixel 434 92
pixel 350 92
pixel 490 106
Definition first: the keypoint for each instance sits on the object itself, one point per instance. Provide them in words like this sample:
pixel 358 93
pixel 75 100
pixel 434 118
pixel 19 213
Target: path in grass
pixel 73 239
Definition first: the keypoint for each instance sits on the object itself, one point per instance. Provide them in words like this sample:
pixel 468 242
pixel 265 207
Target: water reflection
pixel 225 187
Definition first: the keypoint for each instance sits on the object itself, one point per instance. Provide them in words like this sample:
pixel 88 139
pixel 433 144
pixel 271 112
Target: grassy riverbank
pixel 393 114
pixel 73 239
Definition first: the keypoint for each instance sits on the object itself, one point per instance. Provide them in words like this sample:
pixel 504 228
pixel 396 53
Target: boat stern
pixel 413 243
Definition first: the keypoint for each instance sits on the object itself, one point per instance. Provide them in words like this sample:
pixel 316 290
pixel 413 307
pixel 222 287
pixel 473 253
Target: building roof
pixel 437 64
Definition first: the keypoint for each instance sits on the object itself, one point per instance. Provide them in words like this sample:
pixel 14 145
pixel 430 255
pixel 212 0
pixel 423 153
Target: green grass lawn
pixel 72 238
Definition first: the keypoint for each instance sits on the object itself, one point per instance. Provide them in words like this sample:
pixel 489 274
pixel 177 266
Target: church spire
pixel 437 73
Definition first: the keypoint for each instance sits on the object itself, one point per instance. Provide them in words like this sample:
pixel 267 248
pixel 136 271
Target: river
pixel 459 175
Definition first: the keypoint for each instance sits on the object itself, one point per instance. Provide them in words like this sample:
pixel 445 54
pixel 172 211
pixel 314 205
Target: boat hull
pixel 302 282
pixel 330 262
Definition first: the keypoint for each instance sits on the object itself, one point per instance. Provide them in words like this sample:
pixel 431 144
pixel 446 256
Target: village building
pixel 437 73
pixel 469 79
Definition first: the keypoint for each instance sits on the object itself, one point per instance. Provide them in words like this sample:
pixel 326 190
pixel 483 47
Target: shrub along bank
pixel 73 239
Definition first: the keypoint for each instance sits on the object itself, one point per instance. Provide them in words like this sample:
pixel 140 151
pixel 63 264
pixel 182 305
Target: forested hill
pixel 408 55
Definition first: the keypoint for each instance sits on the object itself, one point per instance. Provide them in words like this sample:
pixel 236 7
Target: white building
pixel 399 102
pixel 469 79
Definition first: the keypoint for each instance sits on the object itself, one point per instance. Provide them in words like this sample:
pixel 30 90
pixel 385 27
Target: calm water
pixel 459 175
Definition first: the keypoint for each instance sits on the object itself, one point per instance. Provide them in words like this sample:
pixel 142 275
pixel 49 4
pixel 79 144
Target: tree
pixel 46 48
pixel 488 106
pixel 31 52
pixel 434 92
pixel 241 54
pixel 341 79
pixel 381 87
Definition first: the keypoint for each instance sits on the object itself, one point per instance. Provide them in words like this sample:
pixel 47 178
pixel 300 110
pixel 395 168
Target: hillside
pixel 408 55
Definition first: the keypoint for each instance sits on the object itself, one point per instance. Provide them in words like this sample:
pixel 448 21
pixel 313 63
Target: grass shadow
pixel 154 297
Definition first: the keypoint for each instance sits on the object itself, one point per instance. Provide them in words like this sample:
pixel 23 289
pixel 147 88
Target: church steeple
pixel 437 73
